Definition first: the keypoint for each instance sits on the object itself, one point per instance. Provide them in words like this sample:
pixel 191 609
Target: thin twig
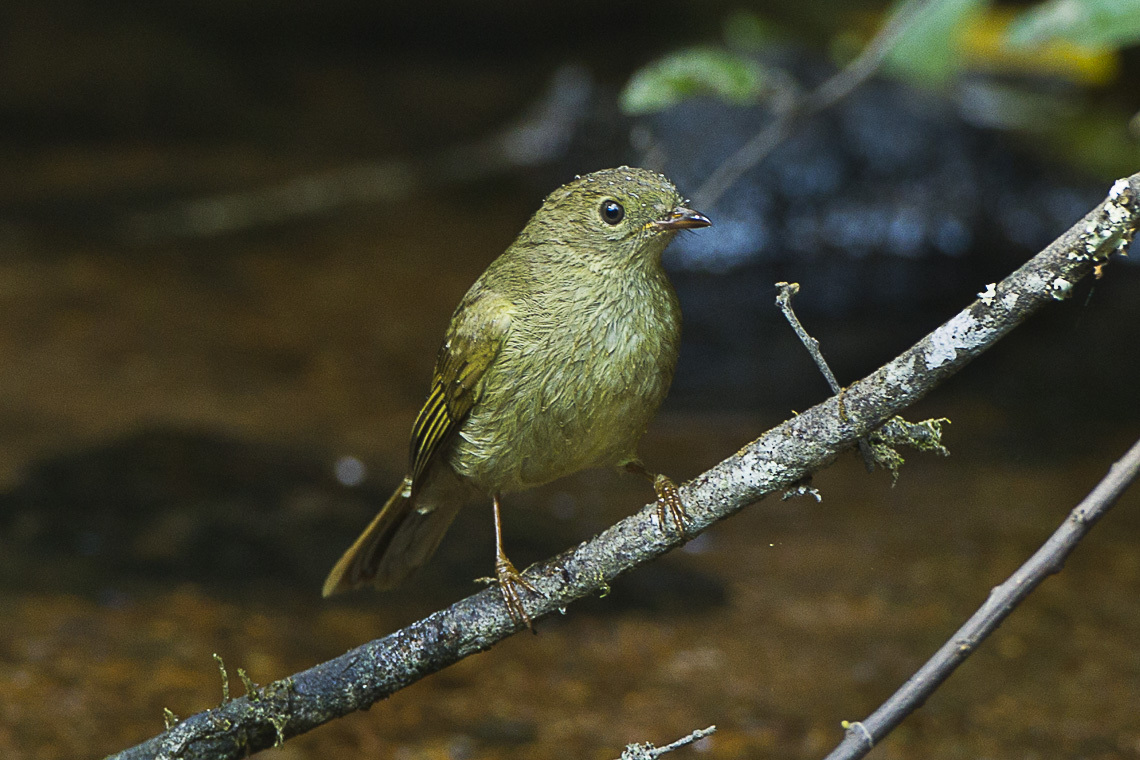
pixel 784 301
pixel 649 752
pixel 779 458
pixel 786 115
pixel 1050 558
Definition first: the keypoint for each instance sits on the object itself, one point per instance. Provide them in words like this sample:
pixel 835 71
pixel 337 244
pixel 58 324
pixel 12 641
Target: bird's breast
pixel 575 385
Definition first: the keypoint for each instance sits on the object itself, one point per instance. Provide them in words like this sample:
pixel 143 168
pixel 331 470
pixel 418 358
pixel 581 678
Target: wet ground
pixel 170 426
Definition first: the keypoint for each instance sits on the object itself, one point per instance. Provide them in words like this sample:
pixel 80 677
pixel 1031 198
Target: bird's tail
pixel 403 535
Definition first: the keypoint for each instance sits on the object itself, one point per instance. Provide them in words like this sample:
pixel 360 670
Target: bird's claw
pixel 510 582
pixel 670 506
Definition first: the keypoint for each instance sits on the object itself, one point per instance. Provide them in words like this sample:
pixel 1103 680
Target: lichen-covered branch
pixel 649 752
pixel 772 463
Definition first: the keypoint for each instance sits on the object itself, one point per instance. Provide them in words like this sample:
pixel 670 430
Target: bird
pixel 555 361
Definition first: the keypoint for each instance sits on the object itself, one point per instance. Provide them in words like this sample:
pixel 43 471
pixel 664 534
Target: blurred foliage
pixel 1021 53
pixel 1075 40
pixel 949 36
pixel 1088 23
pixel 989 46
pixel 722 73
pixel 929 50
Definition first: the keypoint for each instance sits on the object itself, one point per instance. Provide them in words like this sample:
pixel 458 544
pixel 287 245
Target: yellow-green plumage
pixel 555 361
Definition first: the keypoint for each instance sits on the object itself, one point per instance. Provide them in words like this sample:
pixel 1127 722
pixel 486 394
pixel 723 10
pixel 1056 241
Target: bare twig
pixel 779 458
pixel 784 301
pixel 862 736
pixel 649 752
pixel 225 678
pixel 787 114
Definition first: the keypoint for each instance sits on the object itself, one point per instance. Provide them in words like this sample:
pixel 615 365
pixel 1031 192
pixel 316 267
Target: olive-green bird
pixel 555 361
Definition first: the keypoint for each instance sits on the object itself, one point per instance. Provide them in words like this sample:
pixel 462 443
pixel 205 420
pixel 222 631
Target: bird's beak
pixel 682 218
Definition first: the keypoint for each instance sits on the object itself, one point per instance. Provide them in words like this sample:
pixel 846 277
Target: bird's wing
pixel 473 340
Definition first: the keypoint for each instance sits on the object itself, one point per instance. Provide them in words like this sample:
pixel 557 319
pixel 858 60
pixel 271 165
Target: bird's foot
pixel 670 506
pixel 511 582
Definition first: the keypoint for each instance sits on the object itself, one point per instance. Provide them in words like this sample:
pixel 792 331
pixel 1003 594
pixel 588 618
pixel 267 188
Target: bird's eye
pixel 612 212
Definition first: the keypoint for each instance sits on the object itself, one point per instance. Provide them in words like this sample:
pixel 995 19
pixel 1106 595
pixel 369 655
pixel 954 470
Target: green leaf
pixel 694 71
pixel 928 51
pixel 1089 23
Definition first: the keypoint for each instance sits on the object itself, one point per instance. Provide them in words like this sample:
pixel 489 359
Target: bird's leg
pixel 508 578
pixel 669 502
